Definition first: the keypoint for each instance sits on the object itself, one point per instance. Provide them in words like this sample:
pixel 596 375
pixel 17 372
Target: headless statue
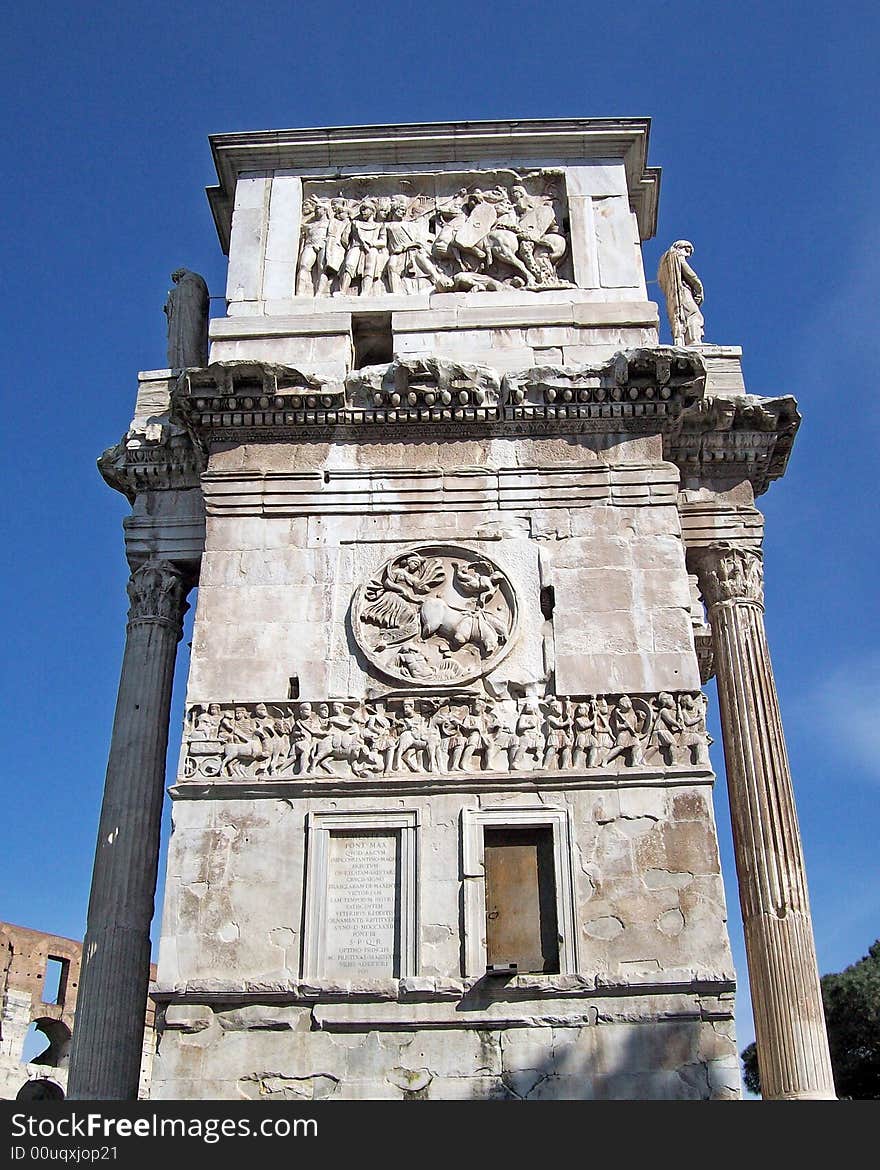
pixel 186 308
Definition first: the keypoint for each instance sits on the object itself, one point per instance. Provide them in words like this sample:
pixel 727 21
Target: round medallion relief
pixel 436 615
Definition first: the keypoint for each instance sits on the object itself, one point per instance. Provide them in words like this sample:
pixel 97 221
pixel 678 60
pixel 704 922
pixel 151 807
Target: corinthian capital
pixel 157 592
pixel 729 573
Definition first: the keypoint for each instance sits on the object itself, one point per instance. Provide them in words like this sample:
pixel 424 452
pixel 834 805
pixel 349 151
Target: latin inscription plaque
pixel 363 906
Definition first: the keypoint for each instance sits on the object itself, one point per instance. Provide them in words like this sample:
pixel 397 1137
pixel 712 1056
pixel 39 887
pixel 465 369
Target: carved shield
pixel 538 220
pixel 477 225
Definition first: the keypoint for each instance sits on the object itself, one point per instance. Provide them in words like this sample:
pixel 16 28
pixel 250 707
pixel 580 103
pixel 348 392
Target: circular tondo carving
pixel 436 615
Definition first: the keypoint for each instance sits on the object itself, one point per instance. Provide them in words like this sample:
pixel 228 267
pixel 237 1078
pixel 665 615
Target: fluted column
pixel 108 1032
pixel 786 996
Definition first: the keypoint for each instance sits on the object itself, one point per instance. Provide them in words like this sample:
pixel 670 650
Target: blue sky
pixel 765 125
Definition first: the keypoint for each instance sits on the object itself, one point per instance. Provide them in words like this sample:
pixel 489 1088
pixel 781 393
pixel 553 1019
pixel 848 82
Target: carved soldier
pixel 380 736
pixel 303 737
pixel 474 730
pixel 503 240
pixel 456 739
pixel 604 737
pixel 558 739
pixel 207 724
pixel 664 734
pixel 315 226
pixel 336 244
pixel 625 729
pixel 541 245
pixel 367 252
pixel 407 255
pixel 502 737
pixel 692 712
pixel 586 741
pixel 528 730
pixel 419 740
pixel 451 217
pixel 683 292
pixel 247 748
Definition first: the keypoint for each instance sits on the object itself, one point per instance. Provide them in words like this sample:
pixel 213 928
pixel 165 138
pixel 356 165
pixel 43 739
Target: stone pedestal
pixel 108 1034
pixel 786 996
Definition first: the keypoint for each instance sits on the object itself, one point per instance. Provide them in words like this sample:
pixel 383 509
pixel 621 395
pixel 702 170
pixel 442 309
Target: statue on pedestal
pixel 683 292
pixel 186 308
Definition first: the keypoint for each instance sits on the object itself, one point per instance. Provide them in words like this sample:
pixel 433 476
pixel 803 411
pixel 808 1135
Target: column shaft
pixel 114 981
pixel 786 995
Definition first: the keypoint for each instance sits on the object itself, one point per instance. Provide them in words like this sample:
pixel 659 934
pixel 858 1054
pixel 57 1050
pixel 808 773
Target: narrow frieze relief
pixel 443 735
pixel 374 236
pixel 728 573
pixel 437 615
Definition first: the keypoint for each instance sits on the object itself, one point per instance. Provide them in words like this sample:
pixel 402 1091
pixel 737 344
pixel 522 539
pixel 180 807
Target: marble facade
pixel 452 511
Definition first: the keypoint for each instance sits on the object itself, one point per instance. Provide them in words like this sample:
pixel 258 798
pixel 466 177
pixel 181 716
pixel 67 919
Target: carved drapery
pixel 108 1036
pixel 786 996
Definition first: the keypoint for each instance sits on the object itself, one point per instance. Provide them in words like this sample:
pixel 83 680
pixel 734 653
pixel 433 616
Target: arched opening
pixel 40 1090
pixel 46 1042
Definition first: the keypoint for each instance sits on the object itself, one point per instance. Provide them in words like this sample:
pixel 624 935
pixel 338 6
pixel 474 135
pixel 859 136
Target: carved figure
pixel 247 747
pixel 501 737
pixel 626 731
pixel 558 739
pixel 683 292
pixel 528 730
pixel 692 713
pixel 451 218
pixel 419 740
pixel 470 744
pixel 304 733
pixel 664 732
pixel 207 723
pixel 315 228
pixel 541 244
pixel 381 736
pixel 406 254
pixel 335 245
pixel 585 741
pixel 186 308
pixel 499 242
pixel 367 252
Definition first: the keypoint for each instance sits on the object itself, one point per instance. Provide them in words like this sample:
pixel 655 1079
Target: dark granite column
pixel 108 1033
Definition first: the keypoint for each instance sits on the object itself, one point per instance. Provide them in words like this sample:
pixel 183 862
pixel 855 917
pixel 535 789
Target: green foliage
pixel 852 1015
pixel 751 1075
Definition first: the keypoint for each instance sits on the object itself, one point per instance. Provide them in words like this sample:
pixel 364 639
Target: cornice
pixel 733 439
pixel 138 463
pixel 638 391
pixel 302 151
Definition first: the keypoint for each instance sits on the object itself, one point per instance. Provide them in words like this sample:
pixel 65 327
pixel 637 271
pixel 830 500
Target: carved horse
pixel 350 749
pixel 237 756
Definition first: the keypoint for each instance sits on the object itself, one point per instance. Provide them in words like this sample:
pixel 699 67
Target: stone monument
pixel 468 540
